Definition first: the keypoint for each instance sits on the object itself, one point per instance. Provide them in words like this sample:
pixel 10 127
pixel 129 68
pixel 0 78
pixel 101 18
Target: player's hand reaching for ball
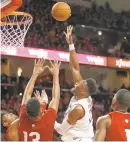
pixel 39 66
pixel 54 67
pixel 43 98
pixel 68 34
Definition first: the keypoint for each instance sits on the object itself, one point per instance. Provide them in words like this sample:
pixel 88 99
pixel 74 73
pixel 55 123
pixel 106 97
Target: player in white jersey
pixel 77 123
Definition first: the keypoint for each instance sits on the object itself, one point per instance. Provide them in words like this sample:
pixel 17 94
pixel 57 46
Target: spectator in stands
pixel 45 32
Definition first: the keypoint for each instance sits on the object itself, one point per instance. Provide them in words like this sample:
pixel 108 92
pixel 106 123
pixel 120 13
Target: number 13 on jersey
pixel 37 136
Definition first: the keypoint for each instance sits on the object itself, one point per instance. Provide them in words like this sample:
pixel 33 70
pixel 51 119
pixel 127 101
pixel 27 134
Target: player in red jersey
pixel 10 122
pixel 34 124
pixel 116 125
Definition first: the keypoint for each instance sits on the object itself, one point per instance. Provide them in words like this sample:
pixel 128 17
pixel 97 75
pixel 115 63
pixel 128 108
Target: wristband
pixel 71 47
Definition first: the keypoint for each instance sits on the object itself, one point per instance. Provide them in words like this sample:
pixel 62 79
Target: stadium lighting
pixel 20 94
pixel 83 26
pixel 19 71
pixel 99 33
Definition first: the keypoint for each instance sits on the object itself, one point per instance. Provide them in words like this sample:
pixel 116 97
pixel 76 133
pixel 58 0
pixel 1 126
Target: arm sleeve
pixel 62 128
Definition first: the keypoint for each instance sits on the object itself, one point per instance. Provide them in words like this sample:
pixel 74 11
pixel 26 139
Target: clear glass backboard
pixel 4 3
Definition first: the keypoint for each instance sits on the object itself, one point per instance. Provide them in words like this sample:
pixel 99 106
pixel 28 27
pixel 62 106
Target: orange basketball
pixel 61 11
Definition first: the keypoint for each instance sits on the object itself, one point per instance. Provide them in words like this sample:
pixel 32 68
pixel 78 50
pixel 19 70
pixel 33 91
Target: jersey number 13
pixel 37 135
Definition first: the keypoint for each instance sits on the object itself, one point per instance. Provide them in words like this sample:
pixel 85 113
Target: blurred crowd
pixel 47 33
pixel 103 17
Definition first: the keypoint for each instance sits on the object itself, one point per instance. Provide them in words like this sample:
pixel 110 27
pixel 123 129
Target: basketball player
pixel 77 123
pixel 38 121
pixel 11 121
pixel 116 125
pixel 34 124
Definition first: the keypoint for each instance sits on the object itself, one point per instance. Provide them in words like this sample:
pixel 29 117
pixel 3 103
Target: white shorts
pixel 76 139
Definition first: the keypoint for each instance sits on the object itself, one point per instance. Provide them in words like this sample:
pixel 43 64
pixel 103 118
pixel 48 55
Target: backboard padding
pixel 8 6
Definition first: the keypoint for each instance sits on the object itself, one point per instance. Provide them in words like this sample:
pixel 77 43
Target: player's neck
pixel 121 110
pixel 81 97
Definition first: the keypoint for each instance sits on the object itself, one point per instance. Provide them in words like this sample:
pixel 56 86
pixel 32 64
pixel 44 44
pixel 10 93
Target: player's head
pixel 7 118
pixel 121 100
pixel 85 87
pixel 33 109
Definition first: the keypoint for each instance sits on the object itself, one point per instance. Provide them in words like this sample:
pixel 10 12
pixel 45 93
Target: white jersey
pixel 83 129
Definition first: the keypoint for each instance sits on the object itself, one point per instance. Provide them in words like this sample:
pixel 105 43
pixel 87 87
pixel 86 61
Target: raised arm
pixel 38 69
pixel 54 70
pixel 74 64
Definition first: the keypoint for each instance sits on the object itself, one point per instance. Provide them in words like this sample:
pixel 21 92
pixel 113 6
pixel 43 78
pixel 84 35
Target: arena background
pixel 101 29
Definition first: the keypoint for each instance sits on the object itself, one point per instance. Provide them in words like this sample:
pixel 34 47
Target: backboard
pixel 5 3
pixel 8 6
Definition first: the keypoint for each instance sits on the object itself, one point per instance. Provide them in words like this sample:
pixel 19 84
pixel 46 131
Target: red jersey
pixel 120 127
pixel 41 130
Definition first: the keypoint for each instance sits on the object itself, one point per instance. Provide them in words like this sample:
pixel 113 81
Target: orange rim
pixel 17 14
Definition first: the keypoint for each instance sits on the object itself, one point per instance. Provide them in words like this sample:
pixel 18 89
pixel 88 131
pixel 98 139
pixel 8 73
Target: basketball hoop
pixel 13 30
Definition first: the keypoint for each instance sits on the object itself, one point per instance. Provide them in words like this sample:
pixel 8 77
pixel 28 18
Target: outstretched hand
pixel 38 67
pixel 43 98
pixel 68 34
pixel 54 67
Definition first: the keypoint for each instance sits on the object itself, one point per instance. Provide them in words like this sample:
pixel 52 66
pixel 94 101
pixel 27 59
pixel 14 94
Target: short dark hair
pixel 92 86
pixel 33 107
pixel 123 97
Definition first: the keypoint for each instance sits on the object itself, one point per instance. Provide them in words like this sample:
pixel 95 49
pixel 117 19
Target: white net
pixel 14 29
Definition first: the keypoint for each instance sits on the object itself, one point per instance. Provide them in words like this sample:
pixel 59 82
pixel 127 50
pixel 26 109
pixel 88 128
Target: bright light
pixel 19 71
pixel 124 37
pixel 99 33
pixel 83 26
pixel 20 94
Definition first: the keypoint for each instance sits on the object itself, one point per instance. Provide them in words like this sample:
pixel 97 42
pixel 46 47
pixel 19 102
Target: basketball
pixel 61 11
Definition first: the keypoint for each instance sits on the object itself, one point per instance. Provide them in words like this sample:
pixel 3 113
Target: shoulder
pixel 13 131
pixel 14 125
pixel 104 120
pixel 50 114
